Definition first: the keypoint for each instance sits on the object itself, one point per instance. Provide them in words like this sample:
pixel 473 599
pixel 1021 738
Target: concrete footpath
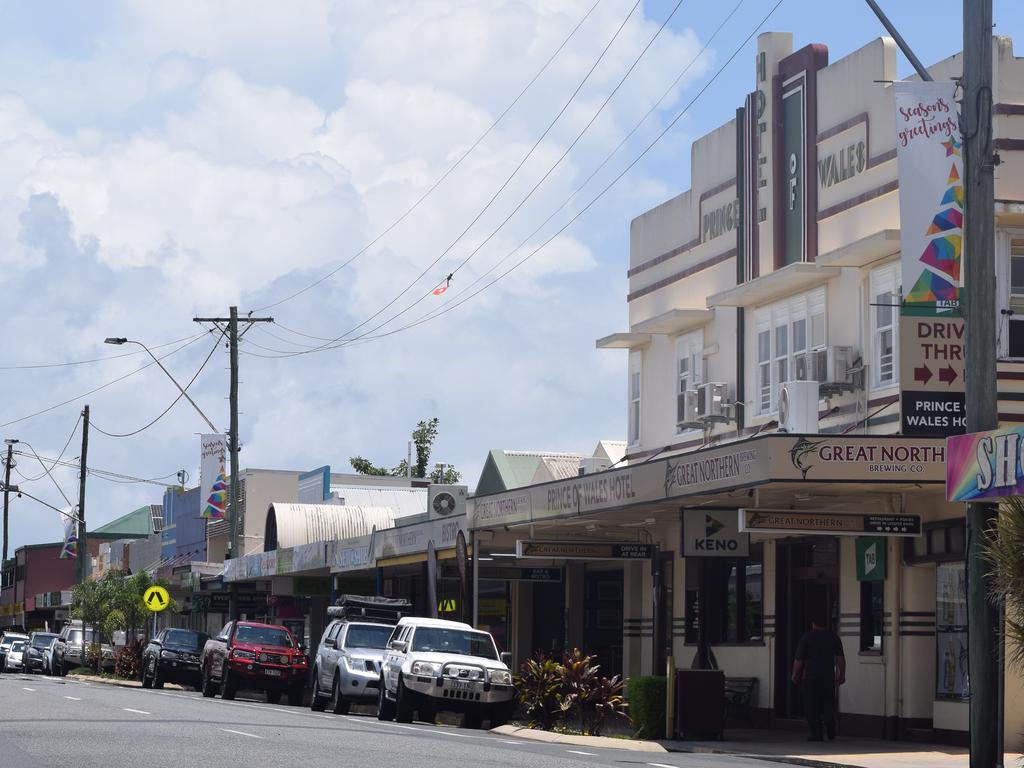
pixel 784 747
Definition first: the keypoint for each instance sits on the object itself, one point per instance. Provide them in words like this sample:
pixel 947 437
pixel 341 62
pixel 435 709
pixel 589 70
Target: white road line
pixel 662 765
pixel 435 730
pixel 242 733
pixel 73 698
pixel 578 752
pixel 33 690
pixel 136 711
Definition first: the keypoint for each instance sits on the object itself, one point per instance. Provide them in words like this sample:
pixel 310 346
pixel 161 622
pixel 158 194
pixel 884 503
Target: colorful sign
pixel 930 168
pixel 870 551
pixel 213 478
pixel 70 549
pixel 713 533
pixel 828 523
pixel 984 465
pixel 156 598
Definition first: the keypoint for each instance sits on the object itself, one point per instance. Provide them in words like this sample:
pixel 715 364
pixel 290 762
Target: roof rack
pixel 379 610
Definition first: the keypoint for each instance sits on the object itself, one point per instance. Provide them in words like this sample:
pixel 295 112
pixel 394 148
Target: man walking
pixel 818 669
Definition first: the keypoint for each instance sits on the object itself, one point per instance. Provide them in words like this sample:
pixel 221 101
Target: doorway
pixel 602 618
pixel 806 583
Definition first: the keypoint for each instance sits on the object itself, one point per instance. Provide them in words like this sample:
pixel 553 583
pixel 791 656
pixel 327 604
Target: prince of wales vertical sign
pixel 931 194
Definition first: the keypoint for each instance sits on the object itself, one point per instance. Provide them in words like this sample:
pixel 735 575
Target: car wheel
pixel 273 697
pixel 473 720
pixel 316 701
pixel 147 681
pixel 404 705
pixel 157 682
pixel 385 708
pixel 339 705
pixel 207 687
pixel 227 685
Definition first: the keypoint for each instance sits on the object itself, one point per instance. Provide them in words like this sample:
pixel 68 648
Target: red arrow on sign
pixel 947 375
pixel 923 374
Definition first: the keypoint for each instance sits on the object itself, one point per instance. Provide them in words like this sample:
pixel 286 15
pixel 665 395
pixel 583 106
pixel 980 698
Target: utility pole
pixel 982 411
pixel 83 551
pixel 233 443
pixel 7 494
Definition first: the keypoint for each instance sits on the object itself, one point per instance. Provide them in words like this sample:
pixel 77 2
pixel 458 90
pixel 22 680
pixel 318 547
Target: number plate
pixel 272 672
pixel 462 685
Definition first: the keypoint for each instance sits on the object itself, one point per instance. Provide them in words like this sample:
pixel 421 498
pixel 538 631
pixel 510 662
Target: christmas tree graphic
pixel 216 505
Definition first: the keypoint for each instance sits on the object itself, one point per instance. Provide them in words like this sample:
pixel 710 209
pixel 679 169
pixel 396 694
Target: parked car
pixel 48 666
pixel 173 656
pixel 68 652
pixel 258 657
pixel 348 660
pixel 6 640
pixel 15 660
pixel 432 665
pixel 38 642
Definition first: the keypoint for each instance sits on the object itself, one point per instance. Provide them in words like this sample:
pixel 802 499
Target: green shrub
pixel 539 690
pixel 646 696
pixel 128 662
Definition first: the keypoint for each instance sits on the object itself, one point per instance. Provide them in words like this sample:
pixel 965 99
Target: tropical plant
pixel 605 700
pixel 423 438
pixel 1003 547
pixel 128 661
pixel 579 676
pixel 539 690
pixel 90 604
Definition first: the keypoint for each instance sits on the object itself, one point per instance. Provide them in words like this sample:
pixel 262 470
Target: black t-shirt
pixel 817 650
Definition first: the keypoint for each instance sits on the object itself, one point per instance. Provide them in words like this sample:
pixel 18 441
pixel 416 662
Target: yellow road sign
pixel 156 598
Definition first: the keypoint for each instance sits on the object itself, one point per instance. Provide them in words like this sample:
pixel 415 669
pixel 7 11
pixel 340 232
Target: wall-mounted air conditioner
pixel 798 407
pixel 686 407
pixel 711 399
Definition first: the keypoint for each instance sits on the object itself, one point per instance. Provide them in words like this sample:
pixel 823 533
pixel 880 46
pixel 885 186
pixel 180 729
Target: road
pixel 54 722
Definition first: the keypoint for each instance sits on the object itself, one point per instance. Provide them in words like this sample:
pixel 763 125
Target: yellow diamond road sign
pixel 156 598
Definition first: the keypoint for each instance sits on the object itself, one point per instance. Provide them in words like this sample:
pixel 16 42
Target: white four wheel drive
pixel 432 665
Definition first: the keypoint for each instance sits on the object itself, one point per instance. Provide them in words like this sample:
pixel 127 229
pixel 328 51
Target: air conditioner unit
pixel 446 500
pixel 711 399
pixel 804 366
pixel 590 465
pixel 828 366
pixel 686 407
pixel 798 407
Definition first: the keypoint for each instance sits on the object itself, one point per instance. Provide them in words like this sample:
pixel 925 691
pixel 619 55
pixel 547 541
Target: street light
pixel 119 340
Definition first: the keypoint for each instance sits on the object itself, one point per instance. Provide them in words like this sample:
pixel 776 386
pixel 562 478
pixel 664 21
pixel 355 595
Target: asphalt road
pixel 54 722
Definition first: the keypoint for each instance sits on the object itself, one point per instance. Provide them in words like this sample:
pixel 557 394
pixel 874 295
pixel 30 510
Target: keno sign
pixel 984 465
pixel 713 533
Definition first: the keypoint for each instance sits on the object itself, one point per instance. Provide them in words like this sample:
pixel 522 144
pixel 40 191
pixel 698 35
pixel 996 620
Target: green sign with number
pixel 871 558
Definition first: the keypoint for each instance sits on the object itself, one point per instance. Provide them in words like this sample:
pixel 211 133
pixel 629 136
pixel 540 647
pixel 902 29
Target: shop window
pixel 634 402
pixel 689 373
pixel 885 300
pixel 940 542
pixel 783 331
pixel 1012 244
pixel 872 616
pixel 734 595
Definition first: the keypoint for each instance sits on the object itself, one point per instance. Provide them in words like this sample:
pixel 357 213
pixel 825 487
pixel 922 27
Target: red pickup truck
pixel 250 656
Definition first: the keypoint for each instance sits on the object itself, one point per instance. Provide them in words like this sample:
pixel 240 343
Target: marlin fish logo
pixel 801 452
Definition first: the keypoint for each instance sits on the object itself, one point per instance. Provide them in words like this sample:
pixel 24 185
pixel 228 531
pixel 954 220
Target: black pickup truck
pixel 173 656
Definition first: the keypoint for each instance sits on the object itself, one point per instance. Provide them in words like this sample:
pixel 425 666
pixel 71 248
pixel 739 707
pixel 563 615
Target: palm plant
pixel 1004 551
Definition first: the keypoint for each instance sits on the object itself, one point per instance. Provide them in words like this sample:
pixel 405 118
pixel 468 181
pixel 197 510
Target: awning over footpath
pixel 772 460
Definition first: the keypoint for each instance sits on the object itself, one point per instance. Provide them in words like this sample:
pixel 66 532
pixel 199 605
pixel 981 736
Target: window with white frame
pixel 885 304
pixel 783 332
pixel 689 372
pixel 1013 242
pixel 634 399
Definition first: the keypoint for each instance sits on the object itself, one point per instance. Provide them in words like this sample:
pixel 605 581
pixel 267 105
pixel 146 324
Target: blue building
pixel 184 533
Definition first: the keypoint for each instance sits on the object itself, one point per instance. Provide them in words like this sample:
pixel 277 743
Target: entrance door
pixel 602 619
pixel 806 583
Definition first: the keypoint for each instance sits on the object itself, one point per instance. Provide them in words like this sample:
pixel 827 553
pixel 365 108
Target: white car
pixel 15 661
pixel 433 665
pixel 6 641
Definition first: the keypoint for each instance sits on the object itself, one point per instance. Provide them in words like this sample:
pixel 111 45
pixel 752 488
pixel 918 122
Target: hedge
pixel 646 697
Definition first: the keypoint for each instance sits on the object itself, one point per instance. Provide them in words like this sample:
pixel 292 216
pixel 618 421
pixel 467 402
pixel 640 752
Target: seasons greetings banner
pixel 928 150
pixel 213 478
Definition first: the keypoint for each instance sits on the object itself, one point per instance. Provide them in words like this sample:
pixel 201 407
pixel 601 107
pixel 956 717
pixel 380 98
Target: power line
pixel 93 360
pixel 47 469
pixel 497 193
pixel 443 176
pixel 106 474
pixel 28 479
pixel 433 314
pixel 166 410
pixel 192 340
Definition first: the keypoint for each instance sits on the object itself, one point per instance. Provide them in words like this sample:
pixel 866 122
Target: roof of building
pixel 403 501
pixel 292 525
pixel 556 468
pixel 134 525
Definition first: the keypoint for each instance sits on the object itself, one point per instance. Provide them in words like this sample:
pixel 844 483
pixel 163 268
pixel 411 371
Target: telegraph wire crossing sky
pixel 311 162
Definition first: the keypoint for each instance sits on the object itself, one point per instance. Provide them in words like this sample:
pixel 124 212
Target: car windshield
pixel 42 641
pixel 183 638
pixel 8 641
pixel 368 636
pixel 263 636
pixel 461 641
pixel 75 637
pixel 18 646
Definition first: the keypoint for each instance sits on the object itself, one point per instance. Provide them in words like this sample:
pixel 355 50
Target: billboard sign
pixel 985 465
pixel 713 533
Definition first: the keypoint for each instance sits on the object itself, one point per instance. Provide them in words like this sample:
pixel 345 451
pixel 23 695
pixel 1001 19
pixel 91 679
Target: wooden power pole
pixel 83 550
pixel 982 401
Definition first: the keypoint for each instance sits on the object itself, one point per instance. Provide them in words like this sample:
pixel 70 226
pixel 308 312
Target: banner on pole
pixel 70 549
pixel 930 169
pixel 213 478
pixel 985 465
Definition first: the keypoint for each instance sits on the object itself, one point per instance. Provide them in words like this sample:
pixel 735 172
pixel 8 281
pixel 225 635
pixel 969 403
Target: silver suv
pixel 67 652
pixel 347 666
pixel 433 665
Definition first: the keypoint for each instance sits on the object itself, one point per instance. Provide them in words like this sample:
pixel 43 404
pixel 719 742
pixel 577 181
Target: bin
pixel 700 703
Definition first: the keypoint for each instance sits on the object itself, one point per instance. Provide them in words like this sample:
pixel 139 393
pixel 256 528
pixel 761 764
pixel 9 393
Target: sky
pixel 160 161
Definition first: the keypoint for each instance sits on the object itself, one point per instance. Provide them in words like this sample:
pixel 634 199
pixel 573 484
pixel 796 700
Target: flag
pixel 70 549
pixel 213 478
